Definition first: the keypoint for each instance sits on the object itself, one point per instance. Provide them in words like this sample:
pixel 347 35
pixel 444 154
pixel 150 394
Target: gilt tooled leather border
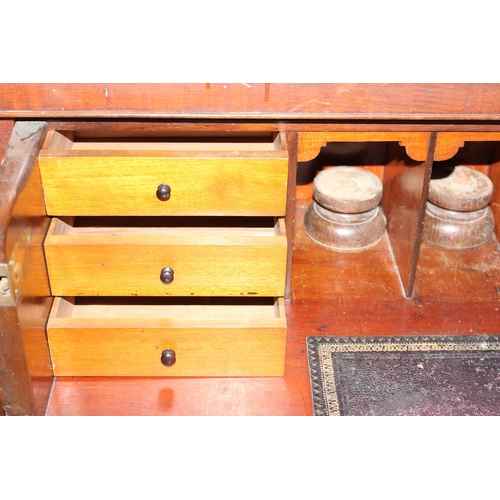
pixel 320 349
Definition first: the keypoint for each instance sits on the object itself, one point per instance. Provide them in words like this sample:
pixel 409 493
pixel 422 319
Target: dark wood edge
pixel 270 101
pixel 292 145
pixel 421 214
pixel 16 392
pixel 20 155
pixel 149 125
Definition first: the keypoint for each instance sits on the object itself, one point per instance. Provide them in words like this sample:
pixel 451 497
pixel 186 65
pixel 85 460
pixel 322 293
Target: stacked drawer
pixel 167 257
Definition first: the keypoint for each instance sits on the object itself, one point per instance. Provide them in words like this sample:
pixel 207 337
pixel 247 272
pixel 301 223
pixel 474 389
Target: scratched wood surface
pixel 247 101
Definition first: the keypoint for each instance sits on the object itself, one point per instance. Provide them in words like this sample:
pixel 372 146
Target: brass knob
pixel 168 357
pixel 167 275
pixel 163 192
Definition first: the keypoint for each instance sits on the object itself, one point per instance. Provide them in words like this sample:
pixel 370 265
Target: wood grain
pixel 270 101
pixel 416 143
pixel 449 143
pixel 206 262
pixel 91 128
pixel 125 183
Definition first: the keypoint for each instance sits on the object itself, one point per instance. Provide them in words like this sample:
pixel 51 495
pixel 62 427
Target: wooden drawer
pixel 102 339
pixel 206 176
pixel 244 260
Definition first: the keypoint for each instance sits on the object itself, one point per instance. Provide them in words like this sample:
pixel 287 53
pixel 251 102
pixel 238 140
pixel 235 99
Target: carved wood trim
pixel 416 143
pixel 448 143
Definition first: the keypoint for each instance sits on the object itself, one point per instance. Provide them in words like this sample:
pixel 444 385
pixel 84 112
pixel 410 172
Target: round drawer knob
pixel 168 357
pixel 167 275
pixel 163 192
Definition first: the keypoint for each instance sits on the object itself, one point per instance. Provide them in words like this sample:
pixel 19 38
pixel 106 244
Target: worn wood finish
pixel 348 190
pixel 128 261
pixel 360 294
pixel 457 230
pixel 270 101
pixel 6 127
pixel 476 154
pixel 344 232
pixel 233 396
pixel 23 346
pixel 465 190
pixel 405 193
pixel 125 183
pixel 220 342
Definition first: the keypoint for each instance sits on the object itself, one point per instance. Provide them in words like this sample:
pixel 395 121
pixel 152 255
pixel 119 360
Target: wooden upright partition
pixel 406 183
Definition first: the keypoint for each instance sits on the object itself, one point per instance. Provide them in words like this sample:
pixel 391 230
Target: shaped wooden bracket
pixel 416 143
pixel 448 143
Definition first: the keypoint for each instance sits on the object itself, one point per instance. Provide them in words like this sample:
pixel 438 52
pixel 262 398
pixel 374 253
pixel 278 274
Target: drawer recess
pixel 205 176
pixel 231 260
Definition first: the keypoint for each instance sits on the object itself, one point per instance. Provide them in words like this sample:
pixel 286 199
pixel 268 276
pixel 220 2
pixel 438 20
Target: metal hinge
pixel 12 274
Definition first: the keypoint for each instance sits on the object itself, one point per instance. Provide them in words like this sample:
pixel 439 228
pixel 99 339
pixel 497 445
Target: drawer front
pixel 198 184
pixel 202 352
pixel 211 264
pixel 212 345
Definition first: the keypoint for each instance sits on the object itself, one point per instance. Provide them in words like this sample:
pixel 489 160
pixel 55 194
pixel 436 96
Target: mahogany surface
pixel 247 101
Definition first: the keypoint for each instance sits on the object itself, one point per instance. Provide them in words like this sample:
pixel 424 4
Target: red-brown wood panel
pixel 247 101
